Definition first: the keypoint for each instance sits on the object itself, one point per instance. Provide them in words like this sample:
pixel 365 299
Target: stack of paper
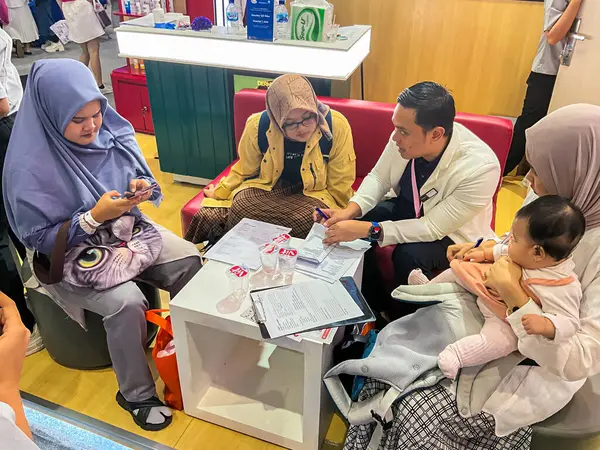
pixel 339 259
pixel 314 250
pixel 241 245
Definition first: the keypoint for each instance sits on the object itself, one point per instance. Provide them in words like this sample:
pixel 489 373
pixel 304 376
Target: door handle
pixel 572 38
pixel 567 53
pixel 577 37
pixel 144 110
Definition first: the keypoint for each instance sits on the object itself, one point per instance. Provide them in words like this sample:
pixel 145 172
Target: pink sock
pixel 449 363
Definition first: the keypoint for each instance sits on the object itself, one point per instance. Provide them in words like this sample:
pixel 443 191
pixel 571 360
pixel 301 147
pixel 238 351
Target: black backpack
pixel 263 143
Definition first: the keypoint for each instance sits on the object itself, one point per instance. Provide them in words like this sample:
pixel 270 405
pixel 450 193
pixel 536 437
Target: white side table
pixel 230 376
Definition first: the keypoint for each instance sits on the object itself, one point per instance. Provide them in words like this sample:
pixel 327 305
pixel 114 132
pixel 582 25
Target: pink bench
pixel 371 124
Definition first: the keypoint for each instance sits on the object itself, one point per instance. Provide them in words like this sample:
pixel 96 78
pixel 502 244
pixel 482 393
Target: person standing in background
pixel 85 29
pixel 559 16
pixel 46 14
pixel 22 26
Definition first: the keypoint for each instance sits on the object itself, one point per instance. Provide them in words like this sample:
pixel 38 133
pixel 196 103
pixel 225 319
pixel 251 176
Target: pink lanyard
pixel 415 190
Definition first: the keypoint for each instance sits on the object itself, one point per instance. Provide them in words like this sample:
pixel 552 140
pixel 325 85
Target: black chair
pixel 66 341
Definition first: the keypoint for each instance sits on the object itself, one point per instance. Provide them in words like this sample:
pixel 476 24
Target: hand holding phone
pixel 140 192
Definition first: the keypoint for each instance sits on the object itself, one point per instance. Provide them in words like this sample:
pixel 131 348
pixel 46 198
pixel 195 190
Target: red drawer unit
pixel 131 98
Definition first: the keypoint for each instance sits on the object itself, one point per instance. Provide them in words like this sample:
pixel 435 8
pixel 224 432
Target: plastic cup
pixel 239 284
pixel 332 33
pixel 287 261
pixel 268 258
pixel 282 240
pixel 238 281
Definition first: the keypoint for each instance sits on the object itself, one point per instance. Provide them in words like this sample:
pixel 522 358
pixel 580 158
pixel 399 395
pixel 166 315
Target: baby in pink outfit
pixel 543 236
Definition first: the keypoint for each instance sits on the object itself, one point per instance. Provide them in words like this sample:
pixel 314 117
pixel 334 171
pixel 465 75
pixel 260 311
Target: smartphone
pixel 132 195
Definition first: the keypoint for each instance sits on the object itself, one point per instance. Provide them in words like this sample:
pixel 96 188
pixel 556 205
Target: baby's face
pixel 521 250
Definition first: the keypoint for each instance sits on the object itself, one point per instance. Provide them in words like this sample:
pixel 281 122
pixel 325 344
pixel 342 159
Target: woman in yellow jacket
pixel 284 182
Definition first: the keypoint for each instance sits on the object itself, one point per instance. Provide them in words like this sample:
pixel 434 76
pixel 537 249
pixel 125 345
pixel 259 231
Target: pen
pixel 321 213
pixel 479 242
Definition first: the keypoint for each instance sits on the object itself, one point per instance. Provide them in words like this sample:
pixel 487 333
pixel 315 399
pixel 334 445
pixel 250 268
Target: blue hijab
pixel 48 179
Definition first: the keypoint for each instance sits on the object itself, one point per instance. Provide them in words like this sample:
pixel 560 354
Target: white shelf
pixel 259 388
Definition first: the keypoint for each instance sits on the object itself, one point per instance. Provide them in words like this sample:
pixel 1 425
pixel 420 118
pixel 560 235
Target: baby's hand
pixel 538 325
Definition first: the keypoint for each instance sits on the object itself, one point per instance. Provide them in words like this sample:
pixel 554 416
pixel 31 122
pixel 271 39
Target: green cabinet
pixel 192 113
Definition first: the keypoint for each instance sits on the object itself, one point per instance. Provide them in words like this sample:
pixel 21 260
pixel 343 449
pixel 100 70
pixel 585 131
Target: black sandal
pixel 144 411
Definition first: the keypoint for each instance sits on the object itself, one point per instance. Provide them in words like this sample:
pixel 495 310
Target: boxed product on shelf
pixel 311 20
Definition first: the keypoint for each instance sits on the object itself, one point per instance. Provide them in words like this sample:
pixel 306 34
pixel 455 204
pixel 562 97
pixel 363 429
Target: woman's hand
pixel 504 278
pixel 111 205
pixel 468 252
pixel 209 191
pixel 13 344
pixel 346 231
pixel 138 185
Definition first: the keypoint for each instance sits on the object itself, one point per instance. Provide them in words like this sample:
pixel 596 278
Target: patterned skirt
pixel 283 205
pixel 428 419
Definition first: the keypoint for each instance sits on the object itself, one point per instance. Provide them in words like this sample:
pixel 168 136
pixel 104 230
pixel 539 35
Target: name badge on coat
pixel 428 195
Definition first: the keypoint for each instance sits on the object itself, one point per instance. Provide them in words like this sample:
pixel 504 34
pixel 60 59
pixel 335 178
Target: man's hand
pixel 538 325
pixel 352 211
pixel 209 191
pixel 346 231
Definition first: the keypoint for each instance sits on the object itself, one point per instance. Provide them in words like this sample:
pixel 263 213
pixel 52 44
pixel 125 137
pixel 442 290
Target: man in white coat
pixel 432 187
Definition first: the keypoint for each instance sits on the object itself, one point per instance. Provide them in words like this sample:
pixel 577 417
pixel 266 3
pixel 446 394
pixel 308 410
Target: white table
pixel 230 376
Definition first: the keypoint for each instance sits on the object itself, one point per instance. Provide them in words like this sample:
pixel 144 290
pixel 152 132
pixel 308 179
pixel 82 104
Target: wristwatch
pixel 374 232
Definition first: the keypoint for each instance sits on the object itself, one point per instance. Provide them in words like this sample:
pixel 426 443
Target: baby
pixel 543 236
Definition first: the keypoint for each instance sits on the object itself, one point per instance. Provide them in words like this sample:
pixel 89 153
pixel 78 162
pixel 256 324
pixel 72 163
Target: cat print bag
pixel 119 251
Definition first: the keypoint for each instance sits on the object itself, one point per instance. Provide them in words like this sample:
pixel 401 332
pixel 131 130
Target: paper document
pixel 240 246
pixel 304 306
pixel 337 263
pixel 314 250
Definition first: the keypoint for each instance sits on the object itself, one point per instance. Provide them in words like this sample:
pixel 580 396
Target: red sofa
pixel 371 124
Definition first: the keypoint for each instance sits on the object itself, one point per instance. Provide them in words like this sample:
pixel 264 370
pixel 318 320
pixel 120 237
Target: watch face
pixel 375 232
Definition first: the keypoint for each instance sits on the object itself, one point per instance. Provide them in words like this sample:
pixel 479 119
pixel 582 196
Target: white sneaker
pixel 36 343
pixel 106 89
pixel 55 47
pixel 47 44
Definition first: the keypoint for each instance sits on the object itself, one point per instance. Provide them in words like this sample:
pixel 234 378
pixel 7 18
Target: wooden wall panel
pixel 481 50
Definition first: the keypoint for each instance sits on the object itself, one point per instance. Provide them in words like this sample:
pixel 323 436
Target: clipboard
pixel 350 286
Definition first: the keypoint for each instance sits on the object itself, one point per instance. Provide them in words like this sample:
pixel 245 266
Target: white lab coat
pixel 465 180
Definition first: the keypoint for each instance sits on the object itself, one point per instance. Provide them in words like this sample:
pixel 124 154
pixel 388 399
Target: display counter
pixel 190 77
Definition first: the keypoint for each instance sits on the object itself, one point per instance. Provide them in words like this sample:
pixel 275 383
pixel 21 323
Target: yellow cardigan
pixel 329 182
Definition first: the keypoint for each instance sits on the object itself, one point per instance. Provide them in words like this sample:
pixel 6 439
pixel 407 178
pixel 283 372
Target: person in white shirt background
pixel 11 93
pixel 22 26
pixel 85 29
pixel 454 174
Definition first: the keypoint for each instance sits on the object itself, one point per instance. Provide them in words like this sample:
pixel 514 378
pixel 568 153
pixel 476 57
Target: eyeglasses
pixel 293 126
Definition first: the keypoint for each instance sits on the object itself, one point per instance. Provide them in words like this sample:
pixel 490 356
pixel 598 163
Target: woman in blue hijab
pixel 71 157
